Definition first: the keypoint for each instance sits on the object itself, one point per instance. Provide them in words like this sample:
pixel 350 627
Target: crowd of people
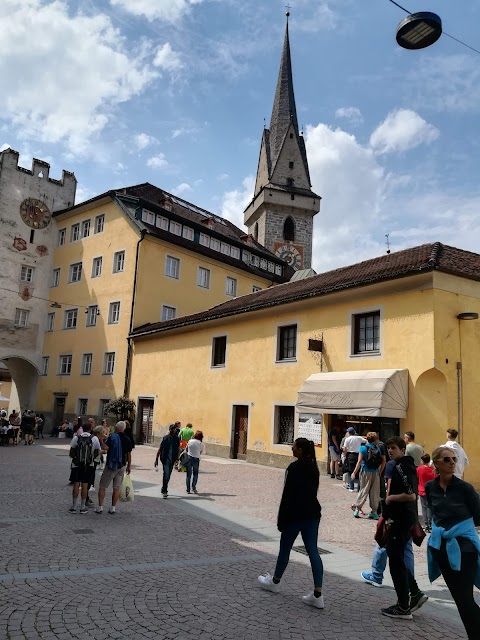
pixel 15 427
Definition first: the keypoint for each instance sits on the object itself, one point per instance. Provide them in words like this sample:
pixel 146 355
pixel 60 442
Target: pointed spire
pixel 284 110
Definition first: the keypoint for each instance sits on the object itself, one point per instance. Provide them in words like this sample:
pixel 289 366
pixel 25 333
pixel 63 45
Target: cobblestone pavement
pixel 180 568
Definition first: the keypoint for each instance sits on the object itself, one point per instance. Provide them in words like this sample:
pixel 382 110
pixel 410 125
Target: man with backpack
pixel 84 449
pixel 371 463
pixel 118 447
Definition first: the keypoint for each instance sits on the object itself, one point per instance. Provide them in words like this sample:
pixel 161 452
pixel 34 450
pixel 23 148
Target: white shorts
pixel 334 456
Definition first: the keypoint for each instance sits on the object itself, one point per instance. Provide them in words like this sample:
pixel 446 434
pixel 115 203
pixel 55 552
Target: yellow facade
pixel 5 391
pixel 419 332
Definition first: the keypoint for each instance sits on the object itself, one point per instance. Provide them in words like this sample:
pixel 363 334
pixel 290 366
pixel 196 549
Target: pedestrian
pixel 77 426
pixel 370 463
pixel 351 447
pixel 185 435
pixel 84 448
pixel 119 460
pixel 425 473
pixel 195 448
pixel 334 439
pixel 454 547
pixel 168 453
pixel 15 420
pixel 27 426
pixel 462 460
pixel 40 421
pixel 401 509
pixel 129 433
pixel 413 449
pixel 299 512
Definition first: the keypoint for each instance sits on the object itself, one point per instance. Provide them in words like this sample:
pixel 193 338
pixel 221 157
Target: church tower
pixel 280 216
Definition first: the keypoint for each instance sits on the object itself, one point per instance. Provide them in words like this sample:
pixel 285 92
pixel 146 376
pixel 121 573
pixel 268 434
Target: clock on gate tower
pixel 35 213
pixel 293 255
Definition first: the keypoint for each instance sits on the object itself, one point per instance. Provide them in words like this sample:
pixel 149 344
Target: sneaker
pixel 369 579
pixel 188 490
pixel 72 510
pixel 356 513
pixel 267 583
pixel 332 475
pixel 112 513
pixel 195 491
pixel 351 490
pixel 98 511
pixel 339 477
pixel 373 516
pixel 89 503
pixel 165 495
pixel 395 611
pixel 417 601
pixel 311 600
pixel 82 511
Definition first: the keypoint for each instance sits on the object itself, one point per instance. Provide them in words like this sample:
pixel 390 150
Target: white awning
pixel 382 393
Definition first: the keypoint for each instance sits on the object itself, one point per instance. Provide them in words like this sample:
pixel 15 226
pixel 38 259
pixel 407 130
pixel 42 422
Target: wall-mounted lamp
pixel 468 315
pixel 55 305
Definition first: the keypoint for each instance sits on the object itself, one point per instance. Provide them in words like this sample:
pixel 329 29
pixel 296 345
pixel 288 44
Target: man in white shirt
pixel 351 448
pixel 462 460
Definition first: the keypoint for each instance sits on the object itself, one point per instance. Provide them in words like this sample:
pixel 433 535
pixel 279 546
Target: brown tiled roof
pixel 427 257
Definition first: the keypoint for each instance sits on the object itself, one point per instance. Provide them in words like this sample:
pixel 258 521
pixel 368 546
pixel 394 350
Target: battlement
pixel 40 168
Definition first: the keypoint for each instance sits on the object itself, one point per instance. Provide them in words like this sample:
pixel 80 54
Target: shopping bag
pixel 127 494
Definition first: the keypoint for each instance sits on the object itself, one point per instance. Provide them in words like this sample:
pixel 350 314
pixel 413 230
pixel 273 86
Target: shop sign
pixel 310 427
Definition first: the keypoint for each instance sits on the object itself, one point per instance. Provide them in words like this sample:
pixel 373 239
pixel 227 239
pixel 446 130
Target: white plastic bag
pixel 127 494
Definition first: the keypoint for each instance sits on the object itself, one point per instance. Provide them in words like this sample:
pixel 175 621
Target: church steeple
pixel 280 216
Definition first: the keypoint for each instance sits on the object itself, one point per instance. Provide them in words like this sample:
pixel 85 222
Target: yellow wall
pixel 5 390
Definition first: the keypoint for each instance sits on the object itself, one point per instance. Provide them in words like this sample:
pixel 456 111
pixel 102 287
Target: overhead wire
pixel 64 304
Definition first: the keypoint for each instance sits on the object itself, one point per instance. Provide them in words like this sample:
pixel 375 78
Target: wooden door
pixel 146 421
pixel 240 431
pixel 58 412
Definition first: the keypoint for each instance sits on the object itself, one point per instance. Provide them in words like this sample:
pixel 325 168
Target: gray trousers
pixel 369 488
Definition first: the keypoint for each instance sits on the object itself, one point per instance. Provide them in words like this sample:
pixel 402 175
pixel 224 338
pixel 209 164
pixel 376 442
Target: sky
pixel 176 93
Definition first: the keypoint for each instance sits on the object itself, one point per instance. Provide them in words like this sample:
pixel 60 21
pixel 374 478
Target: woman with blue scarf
pixel 454 546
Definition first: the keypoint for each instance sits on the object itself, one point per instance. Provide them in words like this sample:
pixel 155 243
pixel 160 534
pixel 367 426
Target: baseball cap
pixel 351 430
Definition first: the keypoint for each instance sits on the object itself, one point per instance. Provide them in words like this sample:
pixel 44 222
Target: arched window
pixel 289 230
pixel 255 231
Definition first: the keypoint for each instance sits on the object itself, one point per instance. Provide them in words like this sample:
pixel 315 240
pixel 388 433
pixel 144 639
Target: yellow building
pixel 391 329
pixel 125 259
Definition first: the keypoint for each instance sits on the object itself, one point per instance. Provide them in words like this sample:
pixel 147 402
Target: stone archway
pixel 24 382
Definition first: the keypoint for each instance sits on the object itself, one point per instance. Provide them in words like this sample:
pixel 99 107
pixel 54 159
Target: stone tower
pixel 29 236
pixel 280 216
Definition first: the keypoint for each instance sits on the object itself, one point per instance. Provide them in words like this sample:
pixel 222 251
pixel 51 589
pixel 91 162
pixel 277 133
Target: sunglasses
pixel 448 459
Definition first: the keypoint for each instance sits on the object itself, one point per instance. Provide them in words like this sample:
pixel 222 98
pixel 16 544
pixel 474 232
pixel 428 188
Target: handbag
pixel 382 532
pixel 183 459
pixel 418 534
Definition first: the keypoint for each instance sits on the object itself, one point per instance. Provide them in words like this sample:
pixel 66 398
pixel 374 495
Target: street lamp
pixel 419 30
pixel 466 315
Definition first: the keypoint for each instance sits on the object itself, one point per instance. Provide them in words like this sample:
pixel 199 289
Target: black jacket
pixel 404 480
pixel 169 443
pixel 299 499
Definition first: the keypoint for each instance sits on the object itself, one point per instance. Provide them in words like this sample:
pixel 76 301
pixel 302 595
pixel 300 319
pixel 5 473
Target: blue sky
pixel 174 92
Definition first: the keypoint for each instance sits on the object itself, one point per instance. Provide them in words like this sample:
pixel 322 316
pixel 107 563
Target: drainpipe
pixel 126 387
pixel 459 402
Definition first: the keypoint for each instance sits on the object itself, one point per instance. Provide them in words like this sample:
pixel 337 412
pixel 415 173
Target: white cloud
pixel 167 59
pixel 402 130
pixel 65 72
pixel 234 202
pixel 166 10
pixel 351 114
pixel 182 188
pixel 322 17
pixel 223 176
pixel 157 162
pixel 143 140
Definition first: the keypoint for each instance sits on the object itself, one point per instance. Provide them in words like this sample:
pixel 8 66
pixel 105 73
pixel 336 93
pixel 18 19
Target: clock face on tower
pixel 35 213
pixel 291 254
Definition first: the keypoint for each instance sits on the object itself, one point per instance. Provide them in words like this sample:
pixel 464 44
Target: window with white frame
pixel 168 313
pixel 219 350
pixel 51 322
pixel 22 317
pixel 114 313
pixel 26 273
pixel 203 278
pixel 75 272
pixel 62 237
pixel 87 361
pixel 235 253
pixel 231 286
pixel 45 362
pixel 287 342
pixel 284 431
pixel 92 313
pixel 65 365
pixel 278 269
pixel 97 267
pixel 214 244
pixel 118 261
pixel 148 216
pixel 172 267
pixel 204 240
pixel 225 248
pixel 55 277
pixel 175 228
pixel 162 223
pixel 75 232
pixel 82 406
pixel 246 256
pixel 70 321
pixel 85 228
pixel 109 363
pixel 102 405
pixel 99 223
pixel 188 233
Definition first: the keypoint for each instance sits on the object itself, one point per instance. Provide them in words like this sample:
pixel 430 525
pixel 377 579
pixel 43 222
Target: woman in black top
pixel 455 509
pixel 299 512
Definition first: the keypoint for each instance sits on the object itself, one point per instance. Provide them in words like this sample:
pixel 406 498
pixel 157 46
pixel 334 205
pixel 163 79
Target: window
pixel 21 317
pixel 235 253
pixel 172 267
pixel 45 361
pixel 62 236
pixel 204 240
pixel 85 228
pixel 114 313
pixel 70 321
pixel 284 425
pixel 162 223
pixel 203 278
pixel 109 363
pixel 148 216
pixel 97 267
pixel 175 228
pixel 92 313
pixel 246 256
pixel 87 361
pixel 219 348
pixel 75 272
pixel 214 244
pixel 188 233
pixel 26 274
pixel 82 406
pixel 65 365
pixel 225 248
pixel 168 313
pixel 290 182
pixel 50 322
pixel 278 270
pixel 75 232
pixel 287 342
pixel 366 337
pixel 255 288
pixel 231 286
pixel 118 261
pixel 255 231
pixel 99 223
pixel 290 164
pixel 289 230
pixel 55 277
pixel 102 406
